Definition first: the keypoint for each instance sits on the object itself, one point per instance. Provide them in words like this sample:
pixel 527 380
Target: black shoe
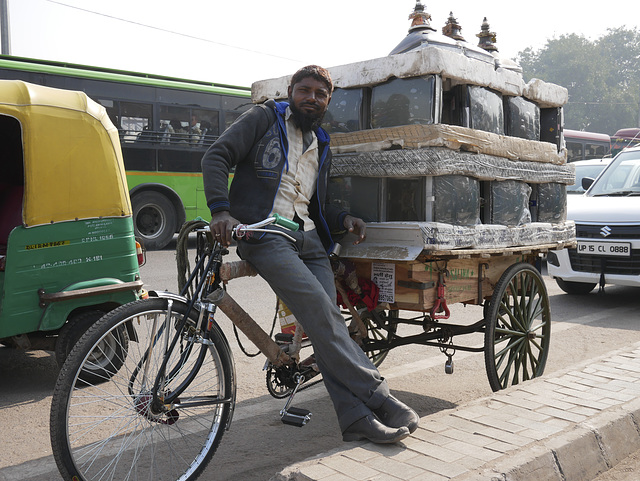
pixel 373 430
pixel 396 414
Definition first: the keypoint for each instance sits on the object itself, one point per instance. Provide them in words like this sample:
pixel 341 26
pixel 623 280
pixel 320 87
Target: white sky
pixel 241 41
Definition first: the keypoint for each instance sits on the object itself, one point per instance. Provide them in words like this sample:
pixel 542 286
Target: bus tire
pixel 154 219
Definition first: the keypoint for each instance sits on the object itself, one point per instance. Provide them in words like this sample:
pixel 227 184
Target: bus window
pixel 624 138
pixel 112 109
pixel 574 151
pixel 594 151
pixel 203 127
pixel 586 145
pixel 175 124
pixel 233 107
pixel 134 118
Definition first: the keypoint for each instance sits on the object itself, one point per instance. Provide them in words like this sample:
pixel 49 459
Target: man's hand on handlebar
pixel 221 226
pixel 356 226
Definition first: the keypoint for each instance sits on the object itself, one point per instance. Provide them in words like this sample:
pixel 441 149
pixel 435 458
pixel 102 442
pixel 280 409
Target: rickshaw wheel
pixel 381 331
pixel 517 327
pixel 107 358
pixel 72 331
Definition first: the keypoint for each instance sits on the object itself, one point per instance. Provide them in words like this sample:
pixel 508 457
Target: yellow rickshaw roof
pixel 72 157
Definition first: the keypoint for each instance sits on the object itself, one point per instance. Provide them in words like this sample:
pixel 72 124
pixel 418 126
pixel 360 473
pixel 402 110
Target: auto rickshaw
pixel 67 248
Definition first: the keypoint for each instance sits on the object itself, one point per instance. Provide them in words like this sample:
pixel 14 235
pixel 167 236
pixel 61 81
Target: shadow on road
pixel 26 376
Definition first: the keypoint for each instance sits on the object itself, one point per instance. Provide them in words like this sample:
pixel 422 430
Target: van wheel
pixel 154 219
pixel 72 331
pixel 576 288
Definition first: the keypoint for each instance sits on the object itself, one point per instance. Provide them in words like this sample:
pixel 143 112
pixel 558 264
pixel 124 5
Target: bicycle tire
pixel 108 431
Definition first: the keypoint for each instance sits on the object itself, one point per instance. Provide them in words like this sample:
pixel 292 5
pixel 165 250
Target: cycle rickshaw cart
pixel 457 212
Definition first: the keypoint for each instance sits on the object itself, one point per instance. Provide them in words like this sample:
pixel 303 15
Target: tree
pixel 602 77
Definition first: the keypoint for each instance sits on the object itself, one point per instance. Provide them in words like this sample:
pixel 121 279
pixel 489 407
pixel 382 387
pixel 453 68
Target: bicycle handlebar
pixel 241 230
pixel 284 222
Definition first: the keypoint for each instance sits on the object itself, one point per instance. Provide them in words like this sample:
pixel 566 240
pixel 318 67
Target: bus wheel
pixel 154 219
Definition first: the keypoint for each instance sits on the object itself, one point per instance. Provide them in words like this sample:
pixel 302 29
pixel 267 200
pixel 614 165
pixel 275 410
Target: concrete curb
pixel 571 426
pixel 581 453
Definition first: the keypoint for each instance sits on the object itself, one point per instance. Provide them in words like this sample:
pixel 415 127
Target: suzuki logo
pixel 605 231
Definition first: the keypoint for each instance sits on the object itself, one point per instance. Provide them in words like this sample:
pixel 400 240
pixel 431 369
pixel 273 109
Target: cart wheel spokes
pixel 381 327
pixel 517 327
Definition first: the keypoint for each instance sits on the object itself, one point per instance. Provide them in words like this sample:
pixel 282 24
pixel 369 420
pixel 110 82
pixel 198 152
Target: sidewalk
pixel 570 426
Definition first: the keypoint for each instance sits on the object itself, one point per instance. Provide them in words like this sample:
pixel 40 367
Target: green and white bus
pixel 165 124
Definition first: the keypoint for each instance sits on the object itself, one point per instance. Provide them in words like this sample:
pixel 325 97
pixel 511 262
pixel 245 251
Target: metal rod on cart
pixel 427 338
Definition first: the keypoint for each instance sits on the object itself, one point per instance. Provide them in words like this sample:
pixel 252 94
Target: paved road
pixel 583 328
pixel 627 470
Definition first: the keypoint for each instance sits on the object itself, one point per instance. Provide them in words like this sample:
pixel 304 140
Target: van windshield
pixel 622 177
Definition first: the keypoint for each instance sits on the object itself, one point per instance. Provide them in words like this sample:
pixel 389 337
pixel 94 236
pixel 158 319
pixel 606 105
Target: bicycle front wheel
pixel 109 427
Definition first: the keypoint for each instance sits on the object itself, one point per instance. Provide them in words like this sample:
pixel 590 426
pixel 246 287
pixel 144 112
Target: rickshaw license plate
pixel 621 249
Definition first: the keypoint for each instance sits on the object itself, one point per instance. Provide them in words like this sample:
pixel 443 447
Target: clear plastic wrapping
pixel 486 110
pixel 507 203
pixel 456 199
pixel 549 202
pixel 522 118
pixel 357 195
pixel 403 102
pixel 343 114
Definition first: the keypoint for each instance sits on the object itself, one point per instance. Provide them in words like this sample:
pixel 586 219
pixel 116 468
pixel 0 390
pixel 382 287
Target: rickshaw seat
pixel 11 208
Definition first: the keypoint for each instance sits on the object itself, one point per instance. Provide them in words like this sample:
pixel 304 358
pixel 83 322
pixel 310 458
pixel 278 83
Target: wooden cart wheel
pixel 376 332
pixel 517 327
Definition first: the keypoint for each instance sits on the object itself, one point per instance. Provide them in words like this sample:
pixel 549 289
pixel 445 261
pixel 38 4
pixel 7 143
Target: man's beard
pixel 304 121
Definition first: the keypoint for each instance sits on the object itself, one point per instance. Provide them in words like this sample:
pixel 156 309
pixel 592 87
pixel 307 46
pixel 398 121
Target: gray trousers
pixel 301 276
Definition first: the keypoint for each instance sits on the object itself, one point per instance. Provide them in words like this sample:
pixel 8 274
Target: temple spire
pixel 452 28
pixel 419 18
pixel 487 37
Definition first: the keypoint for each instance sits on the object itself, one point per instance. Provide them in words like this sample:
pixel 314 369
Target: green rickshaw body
pixel 65 257
pixel 67 248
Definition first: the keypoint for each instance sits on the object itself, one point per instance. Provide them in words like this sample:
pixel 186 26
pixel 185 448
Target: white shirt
pixel 298 182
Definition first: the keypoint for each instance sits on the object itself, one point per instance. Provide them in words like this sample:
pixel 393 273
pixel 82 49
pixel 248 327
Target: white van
pixel 607 219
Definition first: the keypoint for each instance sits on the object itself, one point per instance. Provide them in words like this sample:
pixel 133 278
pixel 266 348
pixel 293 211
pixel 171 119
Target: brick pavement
pixel 569 426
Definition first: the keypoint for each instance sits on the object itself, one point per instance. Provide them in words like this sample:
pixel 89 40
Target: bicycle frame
pixel 209 295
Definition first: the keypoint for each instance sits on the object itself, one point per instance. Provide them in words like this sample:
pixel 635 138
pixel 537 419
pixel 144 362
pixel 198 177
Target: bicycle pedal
pixel 295 416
